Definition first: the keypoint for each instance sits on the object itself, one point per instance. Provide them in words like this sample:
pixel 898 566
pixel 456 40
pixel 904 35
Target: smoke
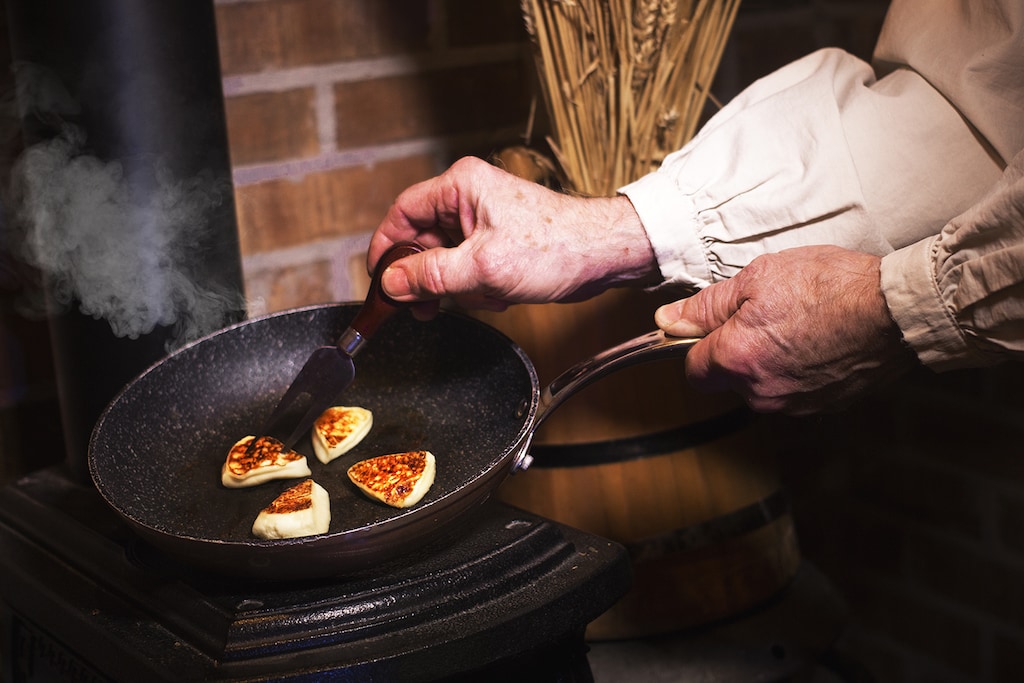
pixel 121 250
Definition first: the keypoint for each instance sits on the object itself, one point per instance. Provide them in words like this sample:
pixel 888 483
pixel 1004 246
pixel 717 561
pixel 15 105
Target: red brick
pixel 272 126
pixel 1003 385
pixel 257 36
pixel 289 212
pixel 970 441
pixel 475 98
pixel 355 272
pixel 850 540
pixel 299 286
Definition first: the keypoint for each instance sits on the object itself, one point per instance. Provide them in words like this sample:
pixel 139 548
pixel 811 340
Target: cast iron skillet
pixel 454 386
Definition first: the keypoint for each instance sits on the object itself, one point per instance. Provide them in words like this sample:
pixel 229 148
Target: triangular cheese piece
pixel 302 510
pixel 268 460
pixel 338 430
pixel 398 479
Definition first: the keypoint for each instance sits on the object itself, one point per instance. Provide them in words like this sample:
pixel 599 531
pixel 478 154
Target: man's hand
pixel 495 239
pixel 797 331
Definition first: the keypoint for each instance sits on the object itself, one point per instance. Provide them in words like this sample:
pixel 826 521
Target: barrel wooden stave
pixel 659 494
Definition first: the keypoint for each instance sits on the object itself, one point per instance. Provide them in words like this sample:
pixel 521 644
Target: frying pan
pixel 454 386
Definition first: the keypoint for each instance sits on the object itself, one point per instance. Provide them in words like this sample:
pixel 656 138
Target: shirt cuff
pixel 915 304
pixel 660 205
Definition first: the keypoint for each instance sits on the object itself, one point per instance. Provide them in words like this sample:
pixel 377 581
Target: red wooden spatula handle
pixel 378 306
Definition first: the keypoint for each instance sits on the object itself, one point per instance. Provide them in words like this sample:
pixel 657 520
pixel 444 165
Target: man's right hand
pixel 494 239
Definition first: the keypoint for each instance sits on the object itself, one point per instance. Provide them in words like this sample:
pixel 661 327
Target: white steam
pixel 122 255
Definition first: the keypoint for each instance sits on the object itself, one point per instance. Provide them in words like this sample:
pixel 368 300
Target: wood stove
pixel 505 597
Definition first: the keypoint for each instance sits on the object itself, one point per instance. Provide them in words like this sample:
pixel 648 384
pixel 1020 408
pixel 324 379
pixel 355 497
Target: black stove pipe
pixel 144 89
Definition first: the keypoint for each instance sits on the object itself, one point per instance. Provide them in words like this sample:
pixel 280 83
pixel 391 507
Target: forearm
pixel 613 246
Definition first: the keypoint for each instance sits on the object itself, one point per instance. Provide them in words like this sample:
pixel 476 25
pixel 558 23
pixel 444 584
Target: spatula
pixel 330 369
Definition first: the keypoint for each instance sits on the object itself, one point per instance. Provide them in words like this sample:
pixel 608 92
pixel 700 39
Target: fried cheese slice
pixel 338 430
pixel 302 510
pixel 268 460
pixel 399 479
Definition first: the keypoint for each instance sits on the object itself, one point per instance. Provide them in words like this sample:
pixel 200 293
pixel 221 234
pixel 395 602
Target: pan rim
pixel 500 464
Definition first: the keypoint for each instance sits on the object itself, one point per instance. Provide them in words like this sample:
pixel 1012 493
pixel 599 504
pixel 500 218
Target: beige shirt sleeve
pixel 827 150
pixel 878 158
pixel 959 297
pixel 972 53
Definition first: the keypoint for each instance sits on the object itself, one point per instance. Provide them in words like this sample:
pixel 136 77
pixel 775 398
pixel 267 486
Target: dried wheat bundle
pixel 624 81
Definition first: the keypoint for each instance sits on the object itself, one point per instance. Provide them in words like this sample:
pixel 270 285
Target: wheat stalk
pixel 624 81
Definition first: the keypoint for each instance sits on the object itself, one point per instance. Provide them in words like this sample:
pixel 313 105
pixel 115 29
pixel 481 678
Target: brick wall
pixel 335 107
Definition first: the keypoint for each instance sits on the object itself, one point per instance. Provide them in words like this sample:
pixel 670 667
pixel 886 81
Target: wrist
pixel 627 250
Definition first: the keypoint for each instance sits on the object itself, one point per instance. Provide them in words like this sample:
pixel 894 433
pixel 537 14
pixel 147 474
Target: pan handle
pixel 648 347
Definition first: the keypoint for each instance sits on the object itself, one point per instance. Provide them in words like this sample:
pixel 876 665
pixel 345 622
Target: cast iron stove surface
pixel 83 595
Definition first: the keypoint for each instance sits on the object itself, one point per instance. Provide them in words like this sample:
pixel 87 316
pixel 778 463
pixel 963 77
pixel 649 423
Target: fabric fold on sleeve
pixel 958 298
pixel 663 209
pixel 912 295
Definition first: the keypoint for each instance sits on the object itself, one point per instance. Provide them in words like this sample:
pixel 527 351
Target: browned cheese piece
pixel 338 429
pixel 267 460
pixel 302 510
pixel 398 479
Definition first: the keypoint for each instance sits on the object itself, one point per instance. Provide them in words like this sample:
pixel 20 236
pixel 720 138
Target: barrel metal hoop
pixel 719 529
pixel 643 446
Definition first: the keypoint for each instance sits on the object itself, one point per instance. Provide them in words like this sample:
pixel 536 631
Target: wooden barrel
pixel 685 481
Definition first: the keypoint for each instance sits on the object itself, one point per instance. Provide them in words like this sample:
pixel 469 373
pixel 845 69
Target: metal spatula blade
pixel 310 394
pixel 330 369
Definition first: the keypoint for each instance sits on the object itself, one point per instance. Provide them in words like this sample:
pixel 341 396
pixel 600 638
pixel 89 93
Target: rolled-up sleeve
pixel 959 297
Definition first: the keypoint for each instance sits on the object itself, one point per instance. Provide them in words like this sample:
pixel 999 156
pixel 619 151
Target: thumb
pixel 431 274
pixel 701 313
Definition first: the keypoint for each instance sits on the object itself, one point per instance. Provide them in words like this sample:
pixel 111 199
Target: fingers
pixel 414 217
pixel 678 319
pixel 430 212
pixel 701 313
pixel 792 332
pixel 719 363
pixel 493 239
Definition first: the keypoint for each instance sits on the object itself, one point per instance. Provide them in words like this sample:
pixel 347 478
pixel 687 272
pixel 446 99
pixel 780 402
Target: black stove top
pixel 85 599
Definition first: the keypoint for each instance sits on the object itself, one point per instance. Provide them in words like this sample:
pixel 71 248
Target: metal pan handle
pixel 648 347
